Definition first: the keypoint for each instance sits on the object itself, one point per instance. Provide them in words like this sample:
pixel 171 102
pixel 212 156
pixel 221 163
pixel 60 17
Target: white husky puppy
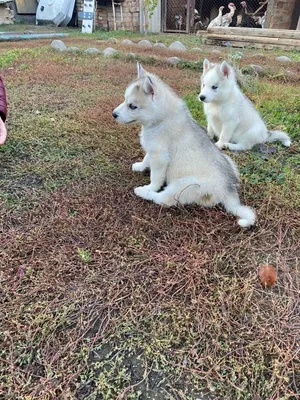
pixel 178 151
pixel 230 115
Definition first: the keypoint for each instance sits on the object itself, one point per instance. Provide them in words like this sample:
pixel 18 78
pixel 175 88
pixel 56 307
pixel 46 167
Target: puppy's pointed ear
pixel 140 71
pixel 148 86
pixel 225 69
pixel 206 65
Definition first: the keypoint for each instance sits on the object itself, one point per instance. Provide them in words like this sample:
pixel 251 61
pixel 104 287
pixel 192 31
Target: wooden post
pixel 269 13
pixel 122 20
pixel 114 15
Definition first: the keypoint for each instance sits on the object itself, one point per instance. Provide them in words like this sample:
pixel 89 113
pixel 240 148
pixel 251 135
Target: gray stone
pixel 259 55
pixel 257 69
pixel 161 45
pixel 145 43
pixel 58 45
pixel 109 51
pixel 291 75
pixel 131 54
pixel 126 42
pixel 173 60
pixel 283 59
pixel 73 49
pixel 178 46
pixel 112 40
pixel 196 49
pixel 92 50
pixel 216 52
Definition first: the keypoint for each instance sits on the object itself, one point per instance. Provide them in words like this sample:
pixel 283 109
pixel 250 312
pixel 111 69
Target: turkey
pixel 227 18
pixel 201 25
pixel 262 20
pixel 218 20
pixel 247 21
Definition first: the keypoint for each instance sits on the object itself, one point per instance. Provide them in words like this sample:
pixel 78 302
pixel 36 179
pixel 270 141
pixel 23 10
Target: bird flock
pixel 243 19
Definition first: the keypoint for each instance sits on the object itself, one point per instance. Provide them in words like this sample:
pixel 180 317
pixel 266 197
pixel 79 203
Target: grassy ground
pixel 105 296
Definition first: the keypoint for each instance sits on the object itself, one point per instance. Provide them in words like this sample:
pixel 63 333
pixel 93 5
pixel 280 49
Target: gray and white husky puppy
pixel 178 151
pixel 231 117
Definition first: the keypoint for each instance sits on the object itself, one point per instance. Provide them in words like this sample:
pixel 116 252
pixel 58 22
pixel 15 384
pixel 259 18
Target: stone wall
pixel 104 15
pixel 280 13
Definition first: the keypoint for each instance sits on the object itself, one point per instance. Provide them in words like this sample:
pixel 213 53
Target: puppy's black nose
pixel 114 114
pixel 202 98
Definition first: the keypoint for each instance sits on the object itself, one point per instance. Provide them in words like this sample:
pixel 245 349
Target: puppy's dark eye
pixel 132 107
pixel 214 87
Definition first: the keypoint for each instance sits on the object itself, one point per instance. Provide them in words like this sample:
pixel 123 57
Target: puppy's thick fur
pixel 178 151
pixel 231 117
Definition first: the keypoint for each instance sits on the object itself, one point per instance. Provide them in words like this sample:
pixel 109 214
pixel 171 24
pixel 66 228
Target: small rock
pixel 177 46
pixel 196 49
pixel 173 60
pixel 92 50
pixel 161 45
pixel 73 49
pixel 259 55
pixel 131 54
pixel 145 43
pixel 109 51
pixel 112 40
pixel 283 59
pixel 216 52
pixel 126 42
pixel 257 69
pixel 291 75
pixel 37 112
pixel 58 45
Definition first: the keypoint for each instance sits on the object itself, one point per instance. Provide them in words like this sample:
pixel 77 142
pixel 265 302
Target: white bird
pixel 263 20
pixel 227 18
pixel 216 21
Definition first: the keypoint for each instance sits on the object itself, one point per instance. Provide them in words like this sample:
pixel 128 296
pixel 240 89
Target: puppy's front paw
pixel 144 192
pixel 230 146
pixel 219 145
pixel 138 167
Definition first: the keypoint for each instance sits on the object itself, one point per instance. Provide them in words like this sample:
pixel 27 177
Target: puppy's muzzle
pixel 115 114
pixel 202 98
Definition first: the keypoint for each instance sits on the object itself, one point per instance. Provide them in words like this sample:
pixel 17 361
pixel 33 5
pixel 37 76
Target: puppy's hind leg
pixel 165 197
pixel 183 191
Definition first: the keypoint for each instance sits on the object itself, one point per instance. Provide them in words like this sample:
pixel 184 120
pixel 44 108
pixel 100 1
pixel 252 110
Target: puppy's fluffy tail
pixel 279 135
pixel 246 214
